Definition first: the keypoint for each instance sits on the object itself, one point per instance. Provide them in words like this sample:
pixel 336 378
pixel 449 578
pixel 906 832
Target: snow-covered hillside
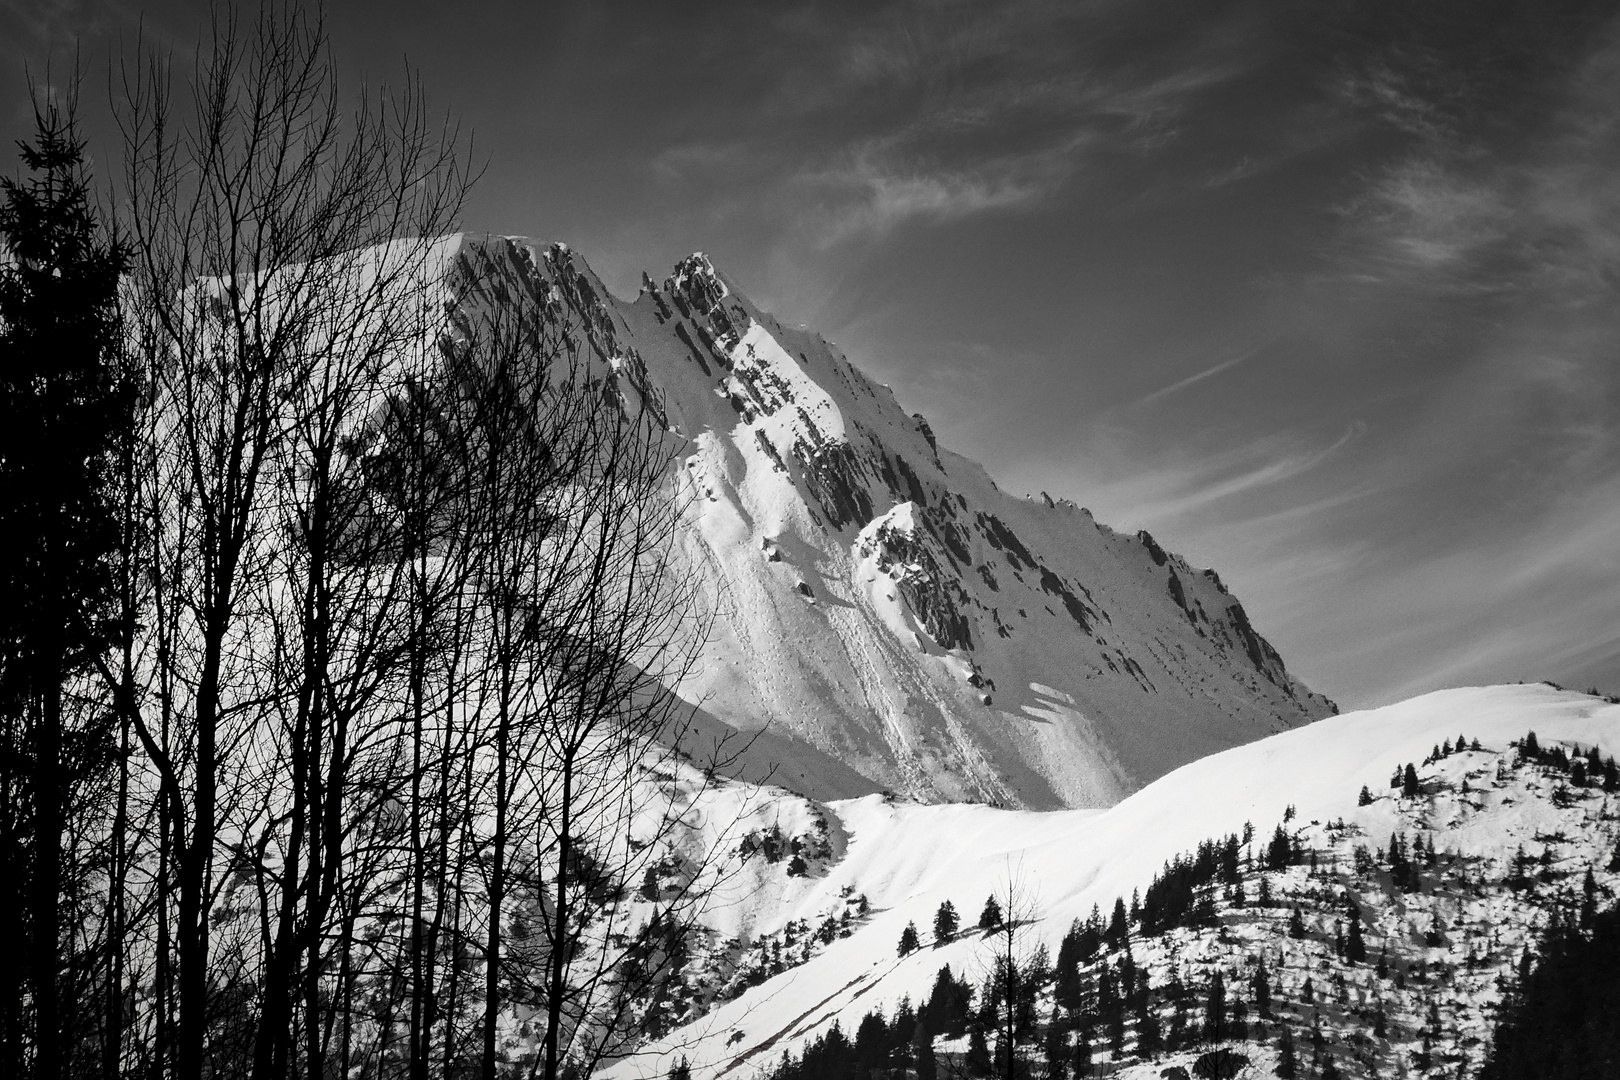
pixel 881 609
pixel 1464 920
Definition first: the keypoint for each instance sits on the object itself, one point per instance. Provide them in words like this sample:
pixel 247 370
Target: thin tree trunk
pixel 12 901
pixel 497 881
pixel 113 1035
pixel 560 944
pixel 50 821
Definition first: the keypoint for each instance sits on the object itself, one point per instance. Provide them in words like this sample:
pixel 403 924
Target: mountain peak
pixel 881 609
pixel 696 282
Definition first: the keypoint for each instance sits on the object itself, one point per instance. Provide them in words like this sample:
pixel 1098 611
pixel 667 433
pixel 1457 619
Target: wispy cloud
pixel 1433 218
pixel 1174 493
pixel 870 196
pixel 1481 201
pixel 1391 95
pixel 931 113
pixel 1207 373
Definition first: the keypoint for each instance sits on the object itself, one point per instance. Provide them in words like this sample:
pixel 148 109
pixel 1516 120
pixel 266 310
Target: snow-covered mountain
pixel 887 616
pixel 1498 839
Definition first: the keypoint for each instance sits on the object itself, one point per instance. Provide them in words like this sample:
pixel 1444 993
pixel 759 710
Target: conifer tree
pixel 978 1053
pixel 1080 1058
pixel 1118 926
pixel 990 916
pixel 1261 988
pixel 945 922
pixel 63 417
pixel 1409 783
pixel 922 1049
pixel 908 939
pixel 1279 852
pixel 1355 949
pixel 1215 1008
pixel 1287 1059
pixel 1149 1035
pixel 1296 924
pixel 1055 1051
pixel 948 1008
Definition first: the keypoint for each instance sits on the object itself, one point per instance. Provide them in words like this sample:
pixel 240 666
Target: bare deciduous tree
pixel 401 607
pixel 278 237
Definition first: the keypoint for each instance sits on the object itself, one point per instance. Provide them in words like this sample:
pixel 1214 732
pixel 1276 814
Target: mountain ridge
pixel 880 607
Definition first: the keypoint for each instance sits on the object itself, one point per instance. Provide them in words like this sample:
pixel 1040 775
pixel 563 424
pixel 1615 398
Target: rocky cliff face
pixel 881 608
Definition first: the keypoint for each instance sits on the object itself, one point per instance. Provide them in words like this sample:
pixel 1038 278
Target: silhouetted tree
pixel 1215 1008
pixel 1287 1056
pixel 64 419
pixel 1355 949
pixel 990 914
pixel 922 1048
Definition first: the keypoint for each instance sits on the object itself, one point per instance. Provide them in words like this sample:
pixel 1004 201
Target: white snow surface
pixel 908 858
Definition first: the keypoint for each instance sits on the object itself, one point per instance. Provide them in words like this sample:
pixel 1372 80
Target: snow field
pixel 907 859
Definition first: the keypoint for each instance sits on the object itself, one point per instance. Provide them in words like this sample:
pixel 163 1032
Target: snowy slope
pixel 881 608
pixel 906 859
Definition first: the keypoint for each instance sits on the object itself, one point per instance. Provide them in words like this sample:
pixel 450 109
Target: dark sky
pixel 1322 293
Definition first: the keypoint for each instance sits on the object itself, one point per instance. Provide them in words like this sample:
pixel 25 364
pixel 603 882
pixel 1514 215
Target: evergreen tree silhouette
pixel 1355 949
pixel 922 1049
pixel 990 916
pixel 63 417
pixel 1287 1057
pixel 1215 1008
pixel 978 1054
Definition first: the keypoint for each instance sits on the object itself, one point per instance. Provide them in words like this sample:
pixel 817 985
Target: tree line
pixel 343 608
